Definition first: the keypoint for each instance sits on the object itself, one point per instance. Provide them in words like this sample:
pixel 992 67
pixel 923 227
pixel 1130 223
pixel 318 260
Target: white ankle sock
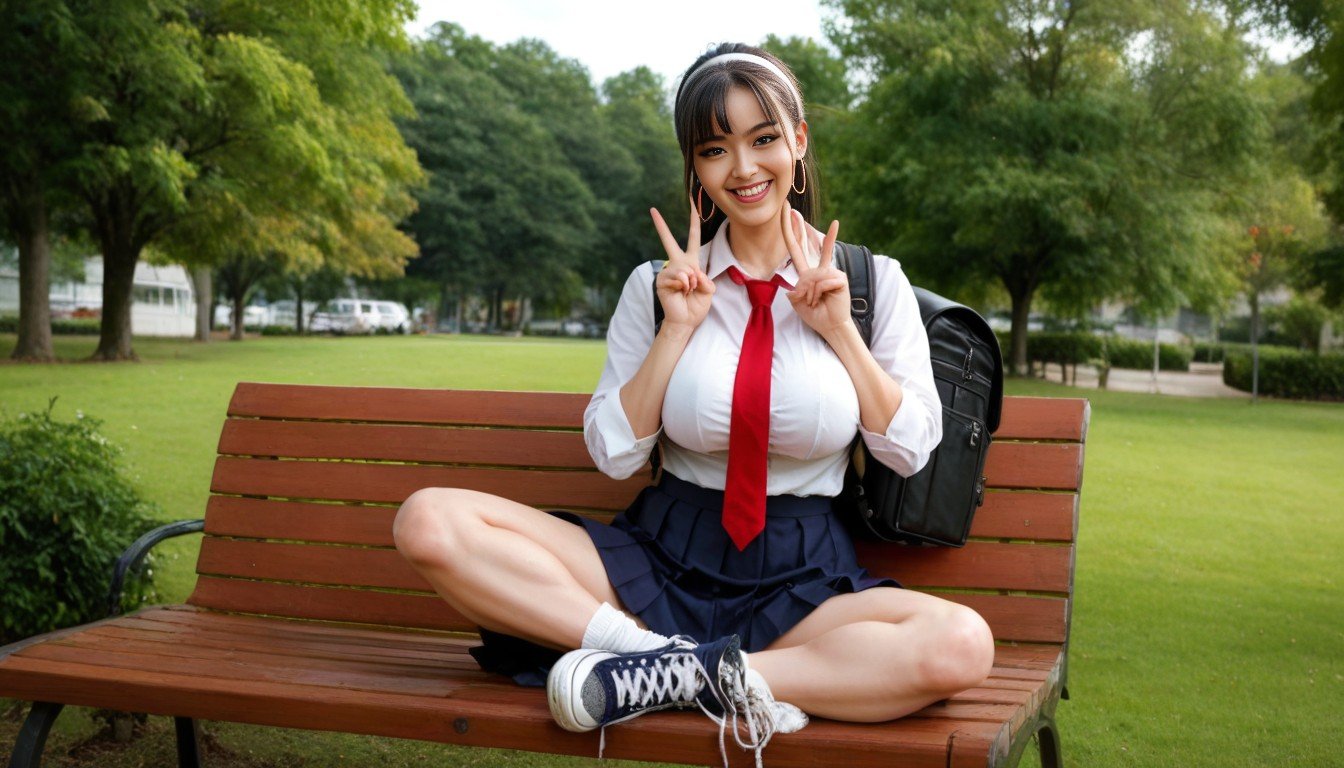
pixel 611 630
pixel 787 717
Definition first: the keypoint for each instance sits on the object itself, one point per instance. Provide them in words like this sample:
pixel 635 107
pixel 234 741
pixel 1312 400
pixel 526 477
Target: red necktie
pixel 749 429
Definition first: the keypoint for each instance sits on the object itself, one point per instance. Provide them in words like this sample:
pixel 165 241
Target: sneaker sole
pixel 562 685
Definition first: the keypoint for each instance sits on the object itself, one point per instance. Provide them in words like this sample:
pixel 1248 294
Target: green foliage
pixel 1081 347
pixel 1079 150
pixel 65 327
pixel 1065 347
pixel 66 513
pixel 1138 355
pixel 1300 321
pixel 1288 373
pixel 536 185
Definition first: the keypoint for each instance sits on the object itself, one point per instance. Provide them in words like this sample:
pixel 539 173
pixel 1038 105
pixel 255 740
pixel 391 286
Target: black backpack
pixel 935 505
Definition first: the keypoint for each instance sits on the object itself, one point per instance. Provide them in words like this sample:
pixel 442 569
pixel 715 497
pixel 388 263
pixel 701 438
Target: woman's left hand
pixel 821 297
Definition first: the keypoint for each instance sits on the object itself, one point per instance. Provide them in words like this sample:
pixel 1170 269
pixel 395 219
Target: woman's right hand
pixel 683 288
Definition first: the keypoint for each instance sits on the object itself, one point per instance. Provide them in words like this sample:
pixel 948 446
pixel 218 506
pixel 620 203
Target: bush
pixel 1288 373
pixel 1138 355
pixel 74 326
pixel 279 330
pixel 66 513
pixel 1064 347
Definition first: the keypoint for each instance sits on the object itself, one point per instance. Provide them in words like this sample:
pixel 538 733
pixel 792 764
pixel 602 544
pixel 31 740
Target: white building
pixel 163 302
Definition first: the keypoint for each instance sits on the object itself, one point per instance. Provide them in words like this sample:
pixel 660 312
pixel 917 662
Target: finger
pixel 830 284
pixel 803 234
pixel 669 242
pixel 828 246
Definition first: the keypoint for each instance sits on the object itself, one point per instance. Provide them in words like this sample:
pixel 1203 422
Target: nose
pixel 745 166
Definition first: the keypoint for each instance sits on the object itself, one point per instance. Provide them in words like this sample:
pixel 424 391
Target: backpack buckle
pixel 858 304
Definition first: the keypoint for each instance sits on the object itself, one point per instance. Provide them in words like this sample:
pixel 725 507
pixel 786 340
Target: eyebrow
pixel 754 128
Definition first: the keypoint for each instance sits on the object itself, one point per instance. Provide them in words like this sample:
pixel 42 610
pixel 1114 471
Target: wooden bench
pixel 305 616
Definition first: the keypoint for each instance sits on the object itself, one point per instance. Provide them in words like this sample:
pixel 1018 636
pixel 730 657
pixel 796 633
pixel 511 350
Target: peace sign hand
pixel 683 288
pixel 821 297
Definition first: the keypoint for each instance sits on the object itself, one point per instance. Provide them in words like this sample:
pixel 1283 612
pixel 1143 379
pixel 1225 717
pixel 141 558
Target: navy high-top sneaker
pixel 588 688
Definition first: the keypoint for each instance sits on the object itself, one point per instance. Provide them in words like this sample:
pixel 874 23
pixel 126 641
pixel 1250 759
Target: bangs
pixel 707 105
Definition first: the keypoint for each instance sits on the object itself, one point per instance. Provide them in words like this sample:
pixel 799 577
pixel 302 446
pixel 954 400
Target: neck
pixel 760 250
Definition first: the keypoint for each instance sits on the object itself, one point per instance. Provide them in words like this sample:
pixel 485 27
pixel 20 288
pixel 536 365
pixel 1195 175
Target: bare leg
pixel 506 566
pixel 877 655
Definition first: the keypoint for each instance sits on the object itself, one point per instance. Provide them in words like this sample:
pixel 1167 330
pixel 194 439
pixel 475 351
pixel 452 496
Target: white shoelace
pixel 681 678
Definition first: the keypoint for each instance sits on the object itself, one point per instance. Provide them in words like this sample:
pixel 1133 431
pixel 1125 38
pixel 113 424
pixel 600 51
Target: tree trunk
pixel 236 334
pixel 298 306
pixel 34 342
pixel 1017 359
pixel 114 337
pixel 205 291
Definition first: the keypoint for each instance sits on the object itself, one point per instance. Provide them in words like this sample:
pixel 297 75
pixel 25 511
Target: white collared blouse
pixel 814 410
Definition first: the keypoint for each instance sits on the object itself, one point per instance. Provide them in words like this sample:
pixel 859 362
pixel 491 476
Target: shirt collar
pixel 718 257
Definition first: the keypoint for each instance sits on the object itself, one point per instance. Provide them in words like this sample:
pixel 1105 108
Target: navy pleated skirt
pixel 673 565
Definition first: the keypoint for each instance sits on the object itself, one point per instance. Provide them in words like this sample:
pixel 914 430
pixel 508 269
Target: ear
pixel 800 139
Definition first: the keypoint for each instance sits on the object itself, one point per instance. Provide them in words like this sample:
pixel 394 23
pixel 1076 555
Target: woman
pixel 754 395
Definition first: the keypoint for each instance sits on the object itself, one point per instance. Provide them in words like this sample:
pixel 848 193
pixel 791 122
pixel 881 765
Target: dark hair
pixel 701 104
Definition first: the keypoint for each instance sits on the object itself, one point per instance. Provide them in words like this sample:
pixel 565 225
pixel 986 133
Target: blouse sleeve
pixel 901 347
pixel 611 440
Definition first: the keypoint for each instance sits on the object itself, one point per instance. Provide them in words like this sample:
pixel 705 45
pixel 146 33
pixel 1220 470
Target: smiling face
pixel 748 165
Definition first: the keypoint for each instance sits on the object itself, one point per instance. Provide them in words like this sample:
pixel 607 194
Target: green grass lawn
pixel 1207 629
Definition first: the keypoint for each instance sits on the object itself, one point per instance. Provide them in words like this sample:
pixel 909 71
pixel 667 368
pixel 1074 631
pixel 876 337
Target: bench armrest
pixel 135 553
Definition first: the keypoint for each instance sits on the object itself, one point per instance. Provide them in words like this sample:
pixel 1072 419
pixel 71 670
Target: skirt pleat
pixel 673 565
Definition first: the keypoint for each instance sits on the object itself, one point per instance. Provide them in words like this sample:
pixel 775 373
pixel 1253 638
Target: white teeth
pixel 750 191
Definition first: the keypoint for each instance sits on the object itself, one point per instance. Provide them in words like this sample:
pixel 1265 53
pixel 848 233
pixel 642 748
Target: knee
pixel 962 652
pixel 428 528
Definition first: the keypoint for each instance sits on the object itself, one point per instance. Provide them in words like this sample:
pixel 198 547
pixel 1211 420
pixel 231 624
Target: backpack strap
pixel 856 261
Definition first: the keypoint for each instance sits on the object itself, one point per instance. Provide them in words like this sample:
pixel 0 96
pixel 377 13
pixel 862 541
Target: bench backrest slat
pixel 308 480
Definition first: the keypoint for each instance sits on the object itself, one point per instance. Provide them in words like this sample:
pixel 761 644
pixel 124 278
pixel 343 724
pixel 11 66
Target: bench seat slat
pixel 402 442
pixel 1043 418
pixel 978 565
pixel 1010 617
pixel 1016 514
pixel 496 714
pixel 423 611
pixel 1053 466
pixel 392 483
pixel 561 410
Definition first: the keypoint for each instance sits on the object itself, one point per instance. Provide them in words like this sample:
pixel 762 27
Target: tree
pixel 207 104
pixel 40 114
pixel 506 214
pixel 1072 149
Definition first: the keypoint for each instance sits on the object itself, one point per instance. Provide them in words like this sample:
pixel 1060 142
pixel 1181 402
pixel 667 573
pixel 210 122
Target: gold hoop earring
pixel 700 205
pixel 802 168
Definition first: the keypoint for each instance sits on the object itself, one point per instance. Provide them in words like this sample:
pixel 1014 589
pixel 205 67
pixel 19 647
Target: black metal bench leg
pixel 1048 738
pixel 188 745
pixel 33 735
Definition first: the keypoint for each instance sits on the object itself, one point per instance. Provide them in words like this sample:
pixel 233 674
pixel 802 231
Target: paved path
pixel 1203 380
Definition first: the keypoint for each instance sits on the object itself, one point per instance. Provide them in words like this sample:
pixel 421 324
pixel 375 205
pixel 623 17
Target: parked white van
pixel 346 316
pixel 393 316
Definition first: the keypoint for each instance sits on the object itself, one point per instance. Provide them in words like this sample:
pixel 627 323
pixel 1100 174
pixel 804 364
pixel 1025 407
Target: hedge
pixel 1138 355
pixel 1288 373
pixel 1079 347
pixel 75 326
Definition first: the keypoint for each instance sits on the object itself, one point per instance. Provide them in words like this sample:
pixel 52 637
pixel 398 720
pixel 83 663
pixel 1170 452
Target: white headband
pixel 759 61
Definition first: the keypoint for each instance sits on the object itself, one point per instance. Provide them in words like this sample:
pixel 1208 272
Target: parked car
pixel 341 316
pixel 393 316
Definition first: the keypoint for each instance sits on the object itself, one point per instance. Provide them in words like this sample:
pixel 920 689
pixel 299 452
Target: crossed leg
pixel 870 656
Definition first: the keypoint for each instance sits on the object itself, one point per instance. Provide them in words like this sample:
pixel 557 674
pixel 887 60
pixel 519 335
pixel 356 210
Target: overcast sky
pixel 612 36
